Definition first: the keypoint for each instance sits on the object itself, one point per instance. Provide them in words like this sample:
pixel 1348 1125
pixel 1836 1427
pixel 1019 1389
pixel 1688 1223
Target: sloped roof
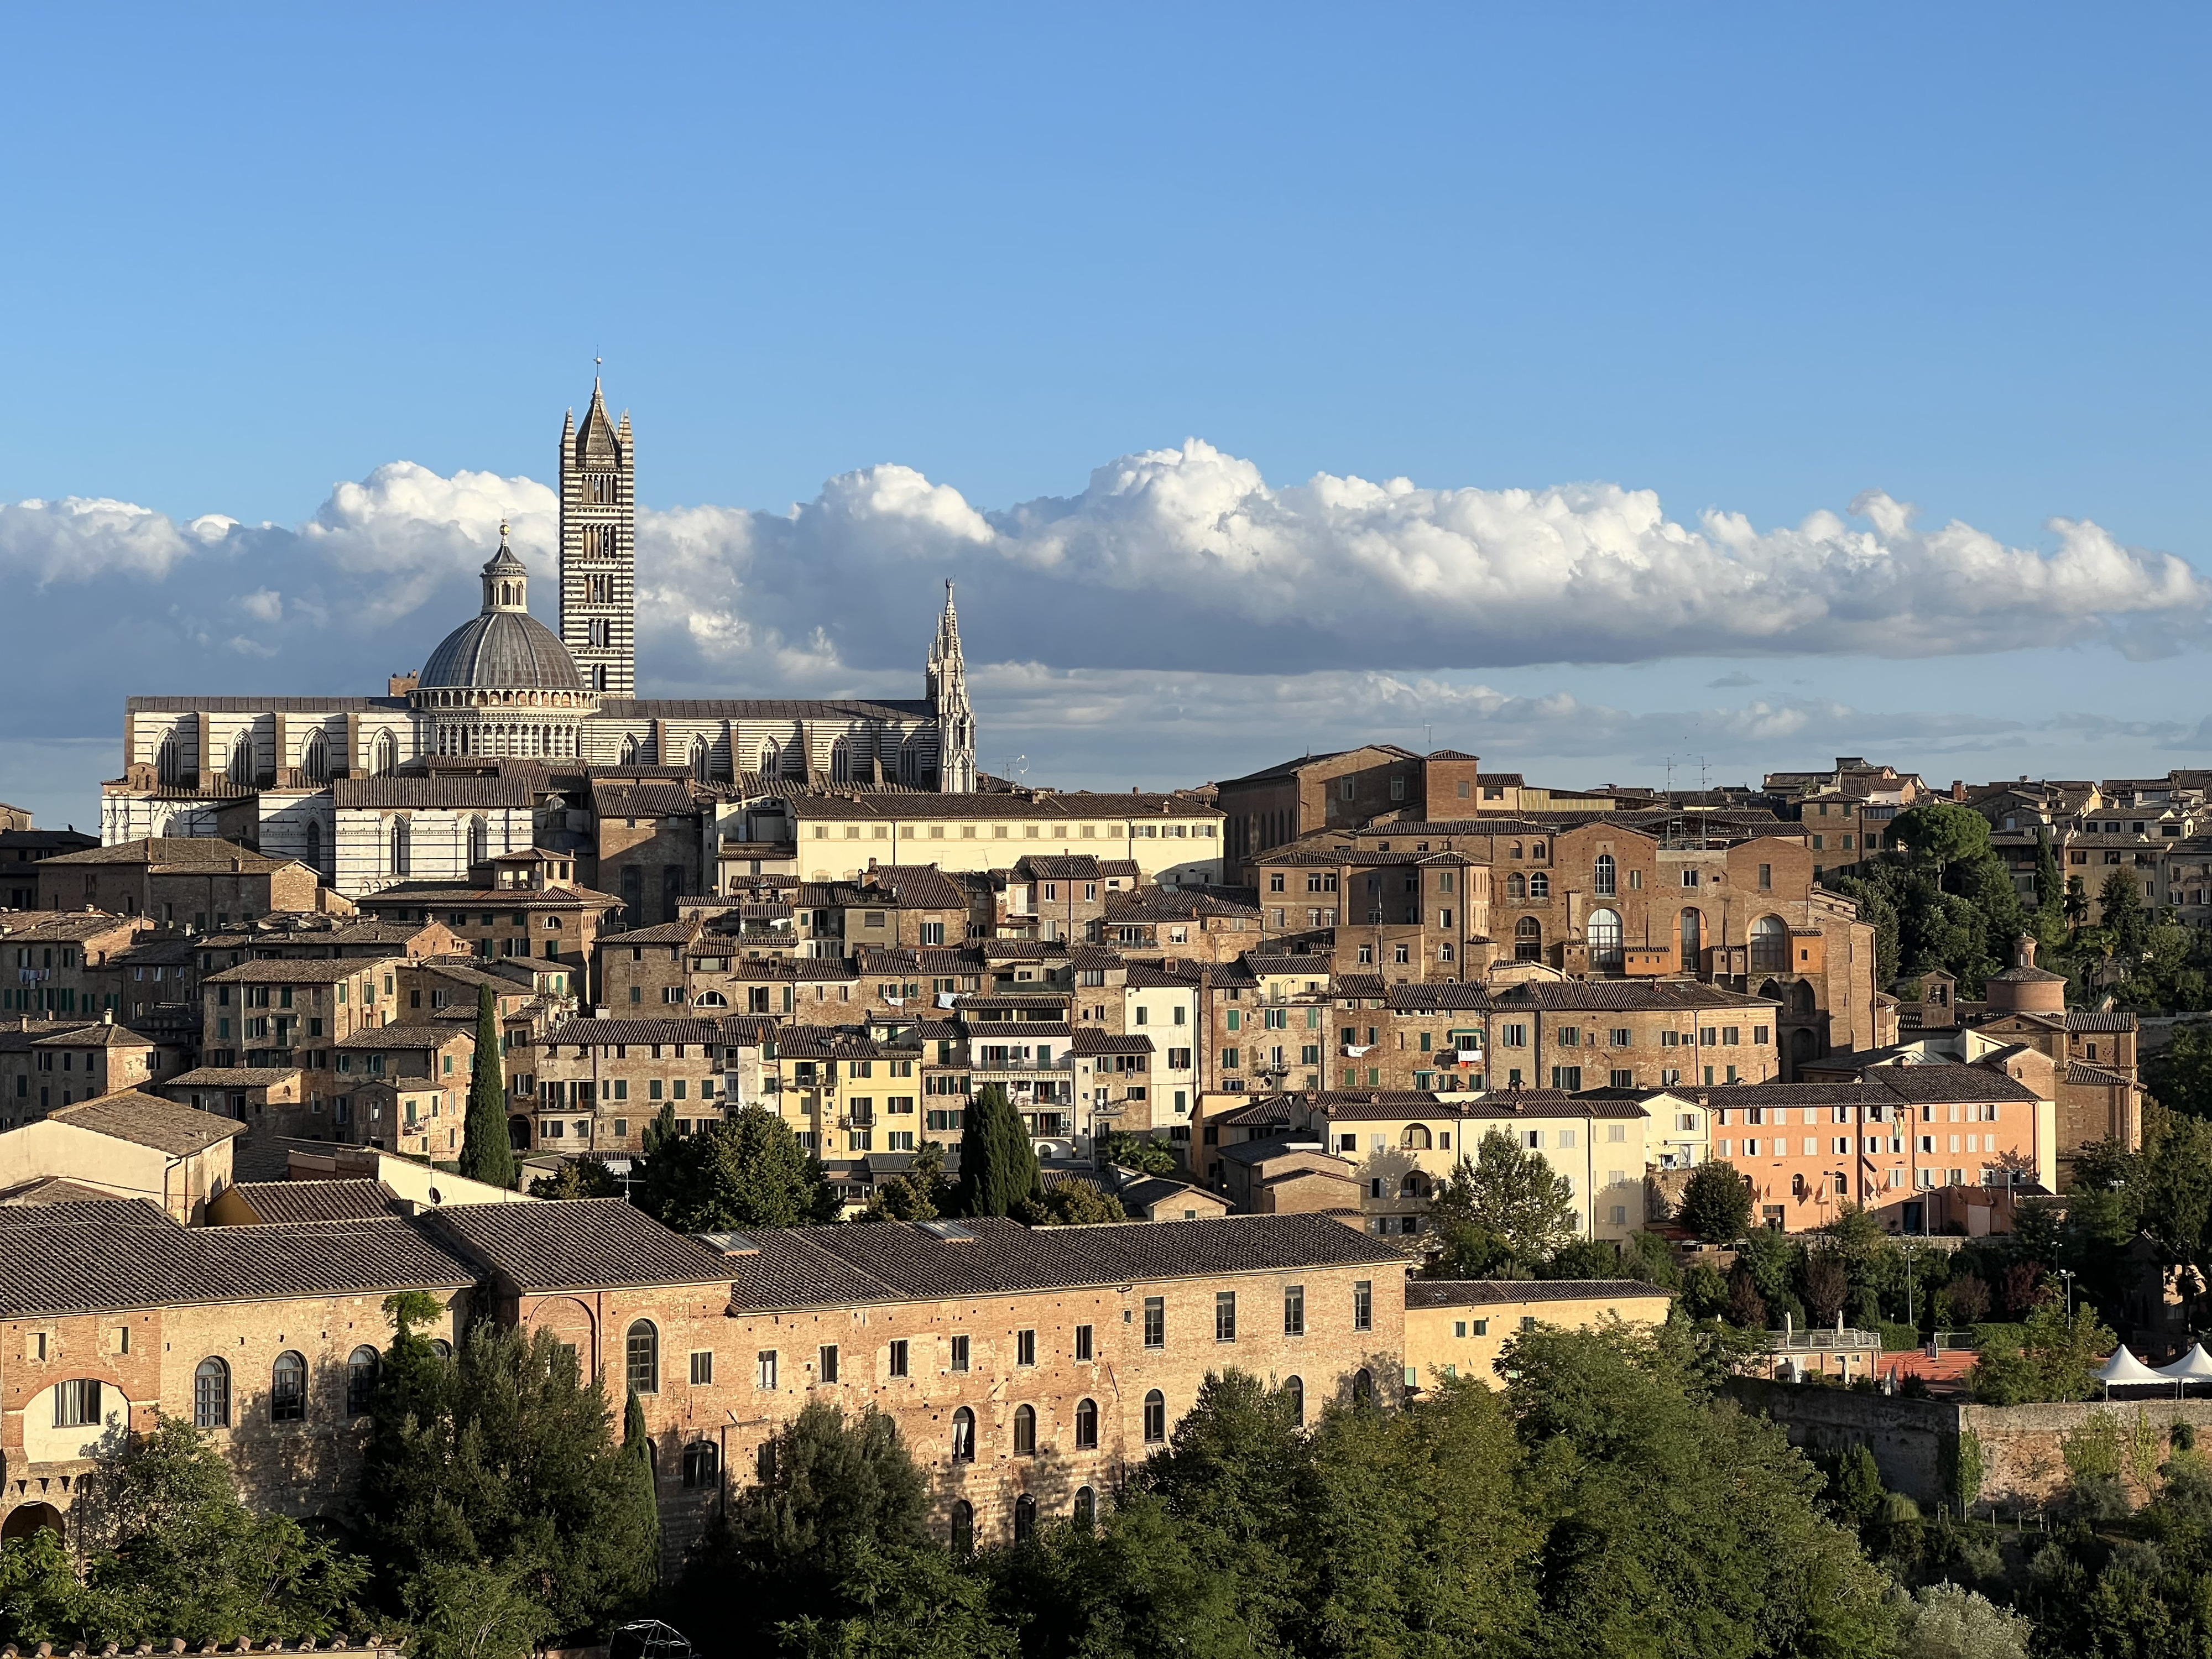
pixel 146 1120
pixel 578 1244
pixel 314 1200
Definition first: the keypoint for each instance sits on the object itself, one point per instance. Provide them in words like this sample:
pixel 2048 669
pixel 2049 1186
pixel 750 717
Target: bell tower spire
pixel 598 547
pixel 947 683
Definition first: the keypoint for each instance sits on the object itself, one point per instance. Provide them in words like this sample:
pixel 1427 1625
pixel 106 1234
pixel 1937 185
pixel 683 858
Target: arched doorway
pixel 26 1518
pixel 518 1133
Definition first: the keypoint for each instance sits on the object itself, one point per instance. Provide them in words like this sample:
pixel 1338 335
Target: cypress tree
pixel 486 1153
pixel 998 1165
pixel 637 1462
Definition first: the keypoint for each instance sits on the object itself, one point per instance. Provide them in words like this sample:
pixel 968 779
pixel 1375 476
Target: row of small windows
pixel 287 1390
pixel 1085 1514
pixel 243 764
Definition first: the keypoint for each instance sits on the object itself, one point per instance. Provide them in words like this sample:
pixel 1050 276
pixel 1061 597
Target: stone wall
pixel 1915 1443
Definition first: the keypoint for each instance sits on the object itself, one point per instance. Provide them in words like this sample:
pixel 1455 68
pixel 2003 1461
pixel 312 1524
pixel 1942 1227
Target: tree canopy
pixel 1500 1213
pixel 998 1162
pixel 487 1153
pixel 745 1171
pixel 1716 1203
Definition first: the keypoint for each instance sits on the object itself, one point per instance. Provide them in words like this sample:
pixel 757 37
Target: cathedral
pixel 292 774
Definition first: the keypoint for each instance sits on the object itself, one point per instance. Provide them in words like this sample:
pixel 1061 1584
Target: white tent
pixel 2194 1366
pixel 2124 1367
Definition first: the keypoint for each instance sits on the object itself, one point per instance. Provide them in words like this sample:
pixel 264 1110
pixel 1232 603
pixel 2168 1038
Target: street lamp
pixel 2067 1273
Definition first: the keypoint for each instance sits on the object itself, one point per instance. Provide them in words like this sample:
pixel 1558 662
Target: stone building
pixel 501 687
pixel 181 882
pixel 1460 1327
pixel 46 1064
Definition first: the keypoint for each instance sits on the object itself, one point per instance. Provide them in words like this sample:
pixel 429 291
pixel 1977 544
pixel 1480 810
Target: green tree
pixel 917 1192
pixel 1943 1621
pixel 643 1512
pixel 997 1162
pixel 171 1552
pixel 1070 1204
pixel 1502 1210
pixel 1716 1205
pixel 2049 895
pixel 2054 1358
pixel 503 1457
pixel 2122 915
pixel 1694 1527
pixel 836 1497
pixel 40 1597
pixel 577 1177
pixel 463 1610
pixel 487 1153
pixel 1139 1153
pixel 746 1171
pixel 2180 1074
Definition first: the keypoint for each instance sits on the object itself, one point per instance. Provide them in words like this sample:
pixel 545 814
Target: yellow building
pixel 1460 1327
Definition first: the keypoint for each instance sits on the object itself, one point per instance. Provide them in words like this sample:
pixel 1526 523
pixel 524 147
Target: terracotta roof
pixel 1059 807
pixel 2098 1019
pixel 493 794
pixel 61 1259
pixel 1492 1292
pixel 431 894
pixel 613 800
pixel 587 1033
pixel 230 1077
pixel 293 970
pixel 174 852
pixel 411 1034
pixel 273 1201
pixel 578 1244
pixel 2102 1077
pixel 147 1120
pixel 899 1261
pixel 100 1034
pixel 1088 1041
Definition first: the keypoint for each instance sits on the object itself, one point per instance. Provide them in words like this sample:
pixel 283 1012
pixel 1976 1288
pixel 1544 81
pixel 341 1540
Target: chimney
pixel 1958 789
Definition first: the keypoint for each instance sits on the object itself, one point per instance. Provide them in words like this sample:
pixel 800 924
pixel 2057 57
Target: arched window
pixel 1516 886
pixel 710 999
pixel 1363 1386
pixel 1605 939
pixel 1770 945
pixel 1024 1518
pixel 241 758
pixel 440 1347
pixel 314 845
pixel 642 1372
pixel 1087 1425
pixel 1156 1418
pixel 402 848
pixel 315 759
pixel 771 759
pixel 1535 849
pixel 1412 1186
pixel 165 758
pixel 1539 884
pixel 1294 1391
pixel 1517 853
pixel 386 759
pixel 287 1389
pixel 1528 939
pixel 1693 932
pixel 1024 1430
pixel 963 1526
pixel 963 1436
pixel 631 753
pixel 702 755
pixel 361 1381
pixel 702 1463
pixel 211 1395
pixel 479 842
pixel 1416 1138
pixel 1601 878
pixel 840 762
pixel 1087 1507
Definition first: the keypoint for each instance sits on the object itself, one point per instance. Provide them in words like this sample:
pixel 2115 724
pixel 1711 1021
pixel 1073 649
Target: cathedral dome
pixel 502 651
pixel 504 648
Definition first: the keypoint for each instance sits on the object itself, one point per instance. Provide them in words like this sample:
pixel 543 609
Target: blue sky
pixel 1758 260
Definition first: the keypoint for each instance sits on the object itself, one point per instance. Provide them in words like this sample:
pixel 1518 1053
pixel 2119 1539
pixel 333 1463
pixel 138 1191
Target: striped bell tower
pixel 598 548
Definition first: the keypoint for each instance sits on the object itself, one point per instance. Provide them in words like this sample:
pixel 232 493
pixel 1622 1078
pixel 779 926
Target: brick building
pixel 182 881
pixel 46 1063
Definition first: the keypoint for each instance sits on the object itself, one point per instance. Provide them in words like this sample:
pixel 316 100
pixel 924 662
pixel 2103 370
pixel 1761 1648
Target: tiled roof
pixel 32 927
pixel 433 895
pixel 1012 1001
pixel 761 708
pixel 1625 996
pixel 1269 1110
pixel 100 1034
pixel 146 1120
pixel 77 1264
pixel 1885 1085
pixel 411 1034
pixel 905 887
pixel 834 1042
pixel 1061 866
pixel 577 1244
pixel 394 792
pixel 314 1200
pixel 175 851
pixel 58 1189
pixel 588 1033
pixel 984 1030
pixel 230 1077
pixel 2103 1076
pixel 661 933
pixel 896 1261
pixel 293 970
pixel 2098 1019
pixel 1437 997
pixel 1494 1292
pixel 1088 1041
pixel 1150 904
pixel 613 800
